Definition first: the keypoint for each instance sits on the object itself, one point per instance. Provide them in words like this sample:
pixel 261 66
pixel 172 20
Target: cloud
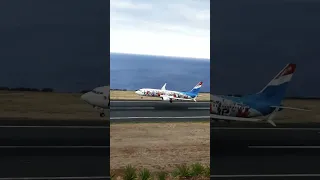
pixel 170 28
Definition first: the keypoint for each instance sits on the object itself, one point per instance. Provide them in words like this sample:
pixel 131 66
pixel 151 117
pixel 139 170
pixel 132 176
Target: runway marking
pixel 266 175
pixel 64 127
pixel 132 108
pixel 284 147
pixel 271 128
pixel 141 108
pixel 174 117
pixel 159 101
pixel 46 178
pixel 199 108
pixel 56 147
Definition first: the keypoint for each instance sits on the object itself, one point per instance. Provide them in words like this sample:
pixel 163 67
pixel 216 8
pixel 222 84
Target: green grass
pixel 183 171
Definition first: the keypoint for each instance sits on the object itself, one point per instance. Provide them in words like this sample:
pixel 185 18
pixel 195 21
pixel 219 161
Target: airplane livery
pixel 99 98
pixel 264 103
pixel 168 95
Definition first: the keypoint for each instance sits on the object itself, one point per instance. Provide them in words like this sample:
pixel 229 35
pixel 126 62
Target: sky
pixel 178 28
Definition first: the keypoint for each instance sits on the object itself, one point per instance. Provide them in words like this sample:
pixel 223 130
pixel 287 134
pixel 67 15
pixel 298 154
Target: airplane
pixel 99 98
pixel 168 95
pixel 264 103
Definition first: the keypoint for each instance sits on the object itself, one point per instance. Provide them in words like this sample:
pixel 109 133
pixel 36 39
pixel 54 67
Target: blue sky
pixel 167 27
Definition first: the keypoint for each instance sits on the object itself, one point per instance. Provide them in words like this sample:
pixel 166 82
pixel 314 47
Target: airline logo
pixel 284 76
pixel 287 71
pixel 198 85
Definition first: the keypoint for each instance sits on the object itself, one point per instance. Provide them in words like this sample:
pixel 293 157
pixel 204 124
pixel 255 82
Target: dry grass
pixel 300 116
pixel 40 105
pixel 130 95
pixel 69 105
pixel 159 146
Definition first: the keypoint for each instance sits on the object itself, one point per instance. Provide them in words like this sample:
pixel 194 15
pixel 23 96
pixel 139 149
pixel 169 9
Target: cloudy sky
pixel 167 27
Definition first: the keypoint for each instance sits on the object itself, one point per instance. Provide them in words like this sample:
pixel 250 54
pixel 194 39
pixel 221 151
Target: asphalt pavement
pixel 158 111
pixel 261 151
pixel 54 149
pixel 69 148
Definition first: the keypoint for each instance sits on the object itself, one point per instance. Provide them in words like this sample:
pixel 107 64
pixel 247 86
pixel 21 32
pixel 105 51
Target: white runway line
pixel 159 101
pixel 142 108
pixel 174 117
pixel 131 108
pixel 265 175
pixel 199 108
pixel 53 178
pixel 284 147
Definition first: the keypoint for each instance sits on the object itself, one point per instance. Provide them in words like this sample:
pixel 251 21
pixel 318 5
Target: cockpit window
pixel 97 92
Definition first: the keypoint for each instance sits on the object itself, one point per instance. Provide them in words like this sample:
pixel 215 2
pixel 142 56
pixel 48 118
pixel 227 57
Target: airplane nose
pixel 84 97
pixel 137 92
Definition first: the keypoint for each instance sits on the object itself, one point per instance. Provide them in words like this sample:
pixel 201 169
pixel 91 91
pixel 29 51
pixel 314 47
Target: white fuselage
pixel 161 93
pixel 99 97
pixel 226 107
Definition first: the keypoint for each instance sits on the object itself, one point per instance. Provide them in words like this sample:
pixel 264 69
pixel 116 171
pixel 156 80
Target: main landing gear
pixel 170 100
pixel 102 114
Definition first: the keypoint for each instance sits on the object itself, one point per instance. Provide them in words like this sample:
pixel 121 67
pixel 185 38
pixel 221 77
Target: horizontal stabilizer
pixel 232 118
pixel 291 108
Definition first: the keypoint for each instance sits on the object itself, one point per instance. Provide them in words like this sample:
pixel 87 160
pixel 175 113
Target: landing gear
pixel 170 100
pixel 102 114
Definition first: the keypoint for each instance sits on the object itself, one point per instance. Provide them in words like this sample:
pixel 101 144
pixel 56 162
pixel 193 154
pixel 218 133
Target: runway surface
pixel 261 151
pixel 158 111
pixel 50 148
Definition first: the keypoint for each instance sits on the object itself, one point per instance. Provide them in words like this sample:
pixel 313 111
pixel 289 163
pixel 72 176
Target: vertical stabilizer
pixel 195 90
pixel 275 90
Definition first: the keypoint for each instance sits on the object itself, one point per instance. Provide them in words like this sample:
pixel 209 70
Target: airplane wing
pixel 181 99
pixel 165 97
pixel 232 118
pixel 291 108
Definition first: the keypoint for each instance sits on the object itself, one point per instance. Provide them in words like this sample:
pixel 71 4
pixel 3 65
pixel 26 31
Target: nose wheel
pixel 102 115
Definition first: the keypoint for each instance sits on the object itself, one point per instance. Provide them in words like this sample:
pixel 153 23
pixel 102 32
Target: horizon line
pixel 199 58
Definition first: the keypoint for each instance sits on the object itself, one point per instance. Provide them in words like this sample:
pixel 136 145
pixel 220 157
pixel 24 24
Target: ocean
pixel 133 72
pixel 126 72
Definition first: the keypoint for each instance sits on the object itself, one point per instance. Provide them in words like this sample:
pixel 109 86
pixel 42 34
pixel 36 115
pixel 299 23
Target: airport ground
pixel 159 146
pixel 42 105
pixel 146 135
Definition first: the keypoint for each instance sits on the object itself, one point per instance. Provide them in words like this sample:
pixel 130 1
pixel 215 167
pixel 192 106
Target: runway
pixel 261 151
pixel 158 111
pixel 51 149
